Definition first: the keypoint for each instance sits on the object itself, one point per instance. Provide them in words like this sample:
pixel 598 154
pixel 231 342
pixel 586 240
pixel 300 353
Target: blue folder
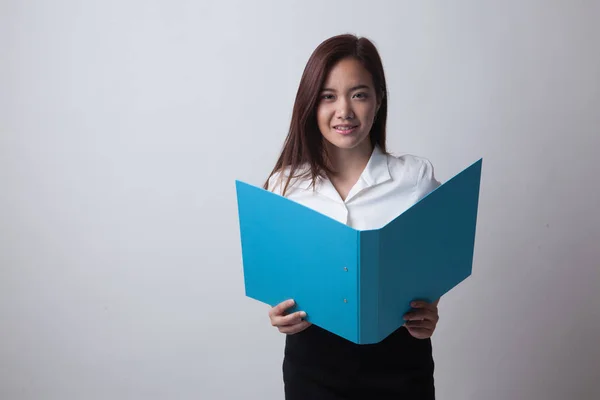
pixel 358 284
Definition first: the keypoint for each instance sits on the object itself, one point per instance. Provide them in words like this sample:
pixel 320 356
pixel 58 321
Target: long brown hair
pixel 304 142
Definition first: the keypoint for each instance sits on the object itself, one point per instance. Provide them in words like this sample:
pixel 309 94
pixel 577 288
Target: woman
pixel 334 160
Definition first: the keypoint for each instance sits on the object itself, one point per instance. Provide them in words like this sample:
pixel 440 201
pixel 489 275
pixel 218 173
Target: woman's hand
pixel 288 324
pixel 422 319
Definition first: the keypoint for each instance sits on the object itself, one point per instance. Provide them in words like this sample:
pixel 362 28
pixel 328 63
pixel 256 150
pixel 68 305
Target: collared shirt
pixel 388 186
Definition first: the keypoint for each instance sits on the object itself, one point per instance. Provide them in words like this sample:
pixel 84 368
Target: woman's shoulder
pixel 418 166
pixel 415 171
pixel 278 180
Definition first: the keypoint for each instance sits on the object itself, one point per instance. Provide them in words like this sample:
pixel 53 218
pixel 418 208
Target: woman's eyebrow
pixel 351 89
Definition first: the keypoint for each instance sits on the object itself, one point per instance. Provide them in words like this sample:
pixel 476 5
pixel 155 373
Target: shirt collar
pixel 376 172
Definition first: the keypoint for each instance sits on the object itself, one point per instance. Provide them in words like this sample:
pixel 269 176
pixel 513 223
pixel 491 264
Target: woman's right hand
pixel 288 324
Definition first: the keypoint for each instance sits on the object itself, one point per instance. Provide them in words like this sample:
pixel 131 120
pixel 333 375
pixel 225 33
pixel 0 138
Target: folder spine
pixel 368 286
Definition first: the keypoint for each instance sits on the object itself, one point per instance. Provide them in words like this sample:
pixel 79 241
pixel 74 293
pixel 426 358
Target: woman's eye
pixel 330 96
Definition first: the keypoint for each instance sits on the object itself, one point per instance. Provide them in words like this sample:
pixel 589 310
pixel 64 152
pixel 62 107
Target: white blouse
pixel 387 187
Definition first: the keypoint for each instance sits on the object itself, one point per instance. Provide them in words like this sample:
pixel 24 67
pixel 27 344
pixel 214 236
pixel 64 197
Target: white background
pixel 123 125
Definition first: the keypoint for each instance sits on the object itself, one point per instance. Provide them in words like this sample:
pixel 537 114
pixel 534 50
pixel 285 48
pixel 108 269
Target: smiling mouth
pixel 345 129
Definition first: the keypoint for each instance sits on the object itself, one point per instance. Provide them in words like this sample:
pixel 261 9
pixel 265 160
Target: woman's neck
pixel 348 164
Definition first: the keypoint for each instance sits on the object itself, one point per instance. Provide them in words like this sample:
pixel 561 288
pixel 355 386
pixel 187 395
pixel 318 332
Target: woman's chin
pixel 346 142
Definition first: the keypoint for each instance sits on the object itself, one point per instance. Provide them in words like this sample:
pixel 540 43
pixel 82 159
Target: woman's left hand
pixel 422 319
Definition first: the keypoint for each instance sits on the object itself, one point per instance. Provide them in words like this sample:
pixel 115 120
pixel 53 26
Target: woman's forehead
pixel 347 74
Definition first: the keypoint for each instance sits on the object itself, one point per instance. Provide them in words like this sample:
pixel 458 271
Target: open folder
pixel 358 284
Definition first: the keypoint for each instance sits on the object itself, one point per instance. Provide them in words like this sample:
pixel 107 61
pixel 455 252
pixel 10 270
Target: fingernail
pixel 302 314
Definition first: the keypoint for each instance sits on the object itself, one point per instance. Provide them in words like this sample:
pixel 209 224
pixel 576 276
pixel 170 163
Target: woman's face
pixel 347 100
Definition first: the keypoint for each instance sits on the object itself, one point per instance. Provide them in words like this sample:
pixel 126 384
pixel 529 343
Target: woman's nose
pixel 345 111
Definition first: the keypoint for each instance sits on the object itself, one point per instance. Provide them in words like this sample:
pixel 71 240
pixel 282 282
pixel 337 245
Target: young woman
pixel 334 160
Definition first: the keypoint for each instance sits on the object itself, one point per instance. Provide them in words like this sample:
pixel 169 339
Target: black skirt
pixel 319 365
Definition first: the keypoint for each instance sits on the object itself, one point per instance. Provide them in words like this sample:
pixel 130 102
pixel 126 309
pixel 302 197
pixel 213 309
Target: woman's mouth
pixel 344 130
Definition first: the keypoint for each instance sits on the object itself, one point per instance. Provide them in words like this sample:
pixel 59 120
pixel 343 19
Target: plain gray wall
pixel 123 125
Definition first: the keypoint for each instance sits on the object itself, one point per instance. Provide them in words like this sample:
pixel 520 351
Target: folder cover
pixel 358 284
